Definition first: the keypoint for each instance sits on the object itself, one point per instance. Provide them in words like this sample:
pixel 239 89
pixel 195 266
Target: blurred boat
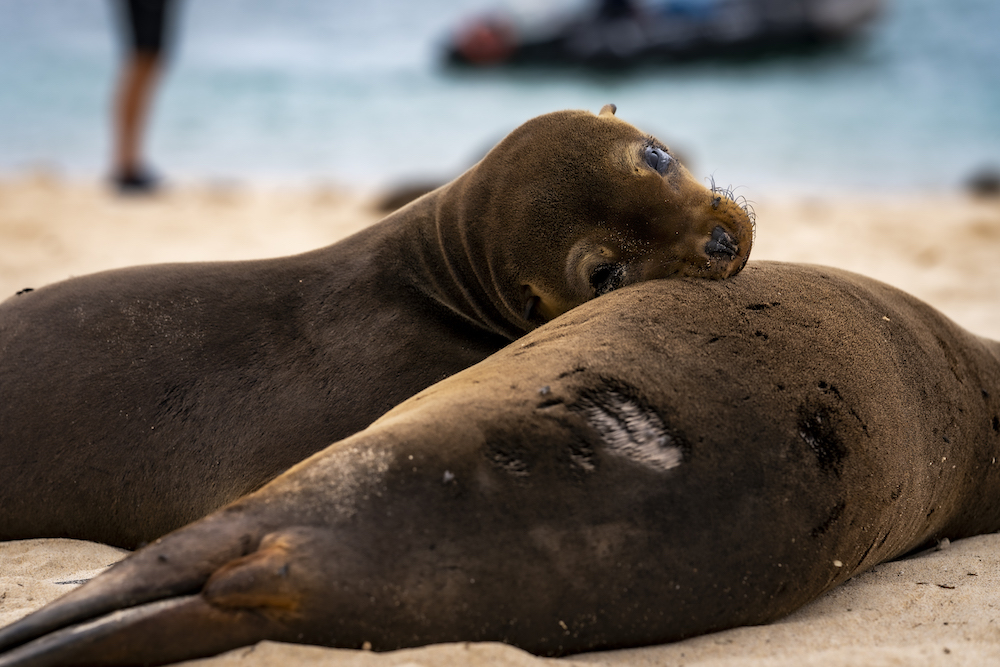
pixel 623 33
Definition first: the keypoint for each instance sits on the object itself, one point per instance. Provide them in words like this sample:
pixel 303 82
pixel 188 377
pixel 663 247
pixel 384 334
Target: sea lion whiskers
pixel 728 192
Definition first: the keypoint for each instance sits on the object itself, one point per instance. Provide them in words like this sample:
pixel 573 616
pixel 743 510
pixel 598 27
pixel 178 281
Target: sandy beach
pixel 942 247
pixel 938 608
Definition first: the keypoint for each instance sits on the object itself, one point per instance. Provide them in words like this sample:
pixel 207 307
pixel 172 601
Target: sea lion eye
pixel 657 158
pixel 607 278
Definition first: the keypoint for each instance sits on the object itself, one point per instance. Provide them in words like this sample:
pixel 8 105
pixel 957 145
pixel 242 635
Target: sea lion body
pixel 135 401
pixel 676 458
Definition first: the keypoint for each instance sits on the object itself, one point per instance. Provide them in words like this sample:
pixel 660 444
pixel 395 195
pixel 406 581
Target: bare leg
pixel 135 89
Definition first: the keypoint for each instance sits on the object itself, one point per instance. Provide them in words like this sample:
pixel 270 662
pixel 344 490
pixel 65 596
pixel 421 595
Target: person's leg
pixel 144 24
pixel 136 86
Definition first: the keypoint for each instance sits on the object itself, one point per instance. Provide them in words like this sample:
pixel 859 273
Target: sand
pixel 938 608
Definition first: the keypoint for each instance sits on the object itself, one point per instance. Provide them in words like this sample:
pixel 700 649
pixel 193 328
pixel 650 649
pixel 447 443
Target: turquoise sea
pixel 303 91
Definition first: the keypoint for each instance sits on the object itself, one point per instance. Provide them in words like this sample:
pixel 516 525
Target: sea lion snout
pixel 708 250
pixel 731 238
pixel 721 244
pixel 716 237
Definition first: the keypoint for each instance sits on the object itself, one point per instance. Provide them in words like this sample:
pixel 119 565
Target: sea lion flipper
pixel 155 633
pixel 112 591
pixel 246 599
pixel 168 568
pixel 152 606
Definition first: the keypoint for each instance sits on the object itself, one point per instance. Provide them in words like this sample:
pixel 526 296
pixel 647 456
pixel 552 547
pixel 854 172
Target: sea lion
pixel 675 458
pixel 135 401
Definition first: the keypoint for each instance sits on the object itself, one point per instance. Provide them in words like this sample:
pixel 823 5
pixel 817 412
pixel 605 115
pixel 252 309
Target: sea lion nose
pixel 721 244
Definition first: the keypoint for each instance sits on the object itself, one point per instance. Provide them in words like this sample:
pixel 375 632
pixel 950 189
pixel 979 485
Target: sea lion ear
pixel 608 109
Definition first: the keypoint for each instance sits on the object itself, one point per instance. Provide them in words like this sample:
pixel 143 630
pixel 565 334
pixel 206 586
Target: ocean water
pixel 304 91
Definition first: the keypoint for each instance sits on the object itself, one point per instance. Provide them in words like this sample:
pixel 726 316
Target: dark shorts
pixel 145 23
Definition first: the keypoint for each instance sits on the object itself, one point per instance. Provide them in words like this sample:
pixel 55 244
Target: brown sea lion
pixel 135 401
pixel 672 459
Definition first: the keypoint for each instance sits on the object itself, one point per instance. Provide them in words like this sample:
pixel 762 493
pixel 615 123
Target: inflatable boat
pixel 619 32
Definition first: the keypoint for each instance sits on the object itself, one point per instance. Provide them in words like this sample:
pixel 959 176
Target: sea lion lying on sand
pixel 135 401
pixel 675 458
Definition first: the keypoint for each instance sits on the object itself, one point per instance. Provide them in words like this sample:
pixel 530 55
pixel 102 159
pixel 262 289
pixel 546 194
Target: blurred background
pixel 360 94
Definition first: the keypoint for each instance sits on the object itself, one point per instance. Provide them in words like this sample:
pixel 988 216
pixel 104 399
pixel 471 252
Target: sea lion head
pixel 572 205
